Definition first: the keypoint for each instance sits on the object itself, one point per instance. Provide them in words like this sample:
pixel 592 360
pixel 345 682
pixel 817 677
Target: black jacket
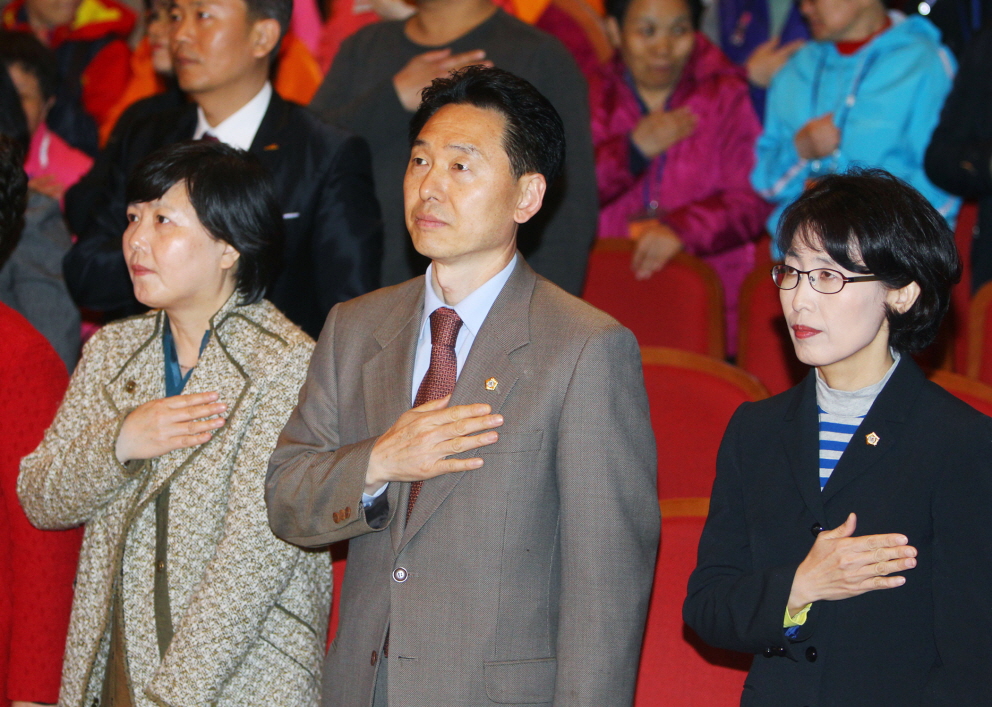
pixel 322 178
pixel 958 158
pixel 929 477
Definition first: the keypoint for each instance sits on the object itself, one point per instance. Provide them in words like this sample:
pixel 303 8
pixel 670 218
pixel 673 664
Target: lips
pixel 804 332
pixel 428 221
pixel 139 270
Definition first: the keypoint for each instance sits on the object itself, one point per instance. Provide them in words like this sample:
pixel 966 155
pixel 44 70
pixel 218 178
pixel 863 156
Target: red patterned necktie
pixel 207 137
pixel 440 378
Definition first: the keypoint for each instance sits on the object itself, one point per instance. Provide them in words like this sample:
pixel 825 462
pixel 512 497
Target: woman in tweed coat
pixel 184 597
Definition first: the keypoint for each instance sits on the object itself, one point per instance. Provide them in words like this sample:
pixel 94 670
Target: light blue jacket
pixel 885 99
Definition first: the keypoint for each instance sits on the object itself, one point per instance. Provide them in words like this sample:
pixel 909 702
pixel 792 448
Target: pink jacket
pixel 702 183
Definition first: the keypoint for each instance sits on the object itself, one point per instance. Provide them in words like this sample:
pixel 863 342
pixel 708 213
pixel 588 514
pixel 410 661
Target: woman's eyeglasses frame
pixel 787 270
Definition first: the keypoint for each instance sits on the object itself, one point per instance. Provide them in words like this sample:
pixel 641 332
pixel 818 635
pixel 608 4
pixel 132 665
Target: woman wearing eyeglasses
pixel 848 544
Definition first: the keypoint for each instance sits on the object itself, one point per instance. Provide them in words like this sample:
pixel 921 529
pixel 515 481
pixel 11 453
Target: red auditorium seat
pixel 339 558
pixel 973 392
pixel 692 398
pixel 681 306
pixel 764 348
pixel 677 668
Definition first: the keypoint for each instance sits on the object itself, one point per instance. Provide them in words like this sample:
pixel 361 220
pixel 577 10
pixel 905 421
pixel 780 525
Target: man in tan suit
pixel 503 538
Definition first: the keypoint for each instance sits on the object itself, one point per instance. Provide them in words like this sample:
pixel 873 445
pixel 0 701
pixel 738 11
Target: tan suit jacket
pixel 249 611
pixel 523 582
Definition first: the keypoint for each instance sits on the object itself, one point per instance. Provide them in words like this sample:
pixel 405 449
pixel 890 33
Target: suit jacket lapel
pixel 885 419
pixel 387 377
pixel 506 328
pixel 266 143
pixel 801 439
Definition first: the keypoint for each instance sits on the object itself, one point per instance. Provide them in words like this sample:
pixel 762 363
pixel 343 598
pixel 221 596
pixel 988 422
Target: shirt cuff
pixel 799 619
pixel 368 499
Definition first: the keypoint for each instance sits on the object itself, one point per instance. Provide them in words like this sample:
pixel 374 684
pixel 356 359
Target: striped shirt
pixel 840 414
pixel 835 433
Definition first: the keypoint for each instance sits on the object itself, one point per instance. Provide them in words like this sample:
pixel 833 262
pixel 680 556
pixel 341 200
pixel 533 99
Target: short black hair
pixel 13 195
pixel 233 197
pixel 869 221
pixel 534 137
pixel 27 52
pixel 13 122
pixel 617 9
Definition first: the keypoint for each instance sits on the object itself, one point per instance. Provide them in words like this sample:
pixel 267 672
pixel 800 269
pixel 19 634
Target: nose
pixel 803 294
pixel 134 236
pixel 179 28
pixel 432 184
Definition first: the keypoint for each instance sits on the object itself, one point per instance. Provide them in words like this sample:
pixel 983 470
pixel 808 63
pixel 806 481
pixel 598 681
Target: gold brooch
pixel 872 439
pixel 491 384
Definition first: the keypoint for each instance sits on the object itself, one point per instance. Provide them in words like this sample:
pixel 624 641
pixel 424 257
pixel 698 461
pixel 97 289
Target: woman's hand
pixel 840 566
pixel 767 58
pixel 818 138
pixel 654 247
pixel 159 426
pixel 660 130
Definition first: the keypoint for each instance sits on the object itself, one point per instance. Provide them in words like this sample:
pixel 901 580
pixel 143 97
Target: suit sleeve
pixel 194 671
pixel 44 562
pixel 312 478
pixel 347 238
pixel 962 575
pixel 729 603
pixel 609 525
pixel 74 471
pixel 960 152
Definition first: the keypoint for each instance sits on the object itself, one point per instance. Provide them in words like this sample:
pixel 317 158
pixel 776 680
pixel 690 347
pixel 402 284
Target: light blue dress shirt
pixel 472 310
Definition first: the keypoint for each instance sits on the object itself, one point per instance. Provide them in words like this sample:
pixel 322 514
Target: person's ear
pixel 902 299
pixel 613 31
pixel 264 37
pixel 46 108
pixel 530 195
pixel 229 257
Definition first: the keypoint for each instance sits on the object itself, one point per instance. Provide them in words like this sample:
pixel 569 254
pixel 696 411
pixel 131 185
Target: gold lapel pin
pixel 269 148
pixel 872 439
pixel 491 384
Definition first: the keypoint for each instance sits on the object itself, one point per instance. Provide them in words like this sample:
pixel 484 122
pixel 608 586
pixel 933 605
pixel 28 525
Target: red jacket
pixel 701 183
pixel 37 567
pixel 106 74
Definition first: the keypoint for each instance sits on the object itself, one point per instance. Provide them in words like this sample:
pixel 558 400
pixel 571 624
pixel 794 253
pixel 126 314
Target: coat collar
pixel 886 418
pixel 142 378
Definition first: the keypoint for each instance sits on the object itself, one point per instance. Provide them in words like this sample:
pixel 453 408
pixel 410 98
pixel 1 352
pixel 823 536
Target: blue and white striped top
pixel 840 414
pixel 835 433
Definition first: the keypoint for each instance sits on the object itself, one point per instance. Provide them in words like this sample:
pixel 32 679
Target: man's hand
pixel 840 566
pixel 415 447
pixel 767 58
pixel 659 130
pixel 656 244
pixel 818 138
pixel 418 73
pixel 159 426
pixel 48 185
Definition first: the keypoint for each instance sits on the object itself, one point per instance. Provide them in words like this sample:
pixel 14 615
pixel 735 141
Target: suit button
pixel 160 565
pixel 347 513
pixel 336 517
pixel 375 657
pixel 400 574
pixel 773 651
pixel 816 529
pixel 130 386
pixel 811 654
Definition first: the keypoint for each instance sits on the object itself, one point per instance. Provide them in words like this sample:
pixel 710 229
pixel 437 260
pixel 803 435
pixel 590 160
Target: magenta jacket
pixel 701 184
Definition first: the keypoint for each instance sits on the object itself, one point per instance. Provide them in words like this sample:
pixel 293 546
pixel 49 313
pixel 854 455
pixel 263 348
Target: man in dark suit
pixel 222 50
pixel 503 531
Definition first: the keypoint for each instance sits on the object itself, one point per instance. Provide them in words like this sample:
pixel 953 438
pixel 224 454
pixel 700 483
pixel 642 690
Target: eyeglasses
pixel 823 280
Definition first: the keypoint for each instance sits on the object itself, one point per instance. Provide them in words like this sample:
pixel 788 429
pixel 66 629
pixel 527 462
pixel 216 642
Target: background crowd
pixel 690 127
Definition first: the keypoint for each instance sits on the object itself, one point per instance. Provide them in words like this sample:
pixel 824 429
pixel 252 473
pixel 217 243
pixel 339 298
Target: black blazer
pixel 323 181
pixel 928 642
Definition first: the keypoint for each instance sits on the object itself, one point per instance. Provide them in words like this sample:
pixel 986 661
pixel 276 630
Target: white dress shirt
pixel 472 310
pixel 239 129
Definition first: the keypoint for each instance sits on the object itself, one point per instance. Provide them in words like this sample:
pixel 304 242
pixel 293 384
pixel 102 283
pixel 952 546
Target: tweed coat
pixel 525 581
pixel 248 610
